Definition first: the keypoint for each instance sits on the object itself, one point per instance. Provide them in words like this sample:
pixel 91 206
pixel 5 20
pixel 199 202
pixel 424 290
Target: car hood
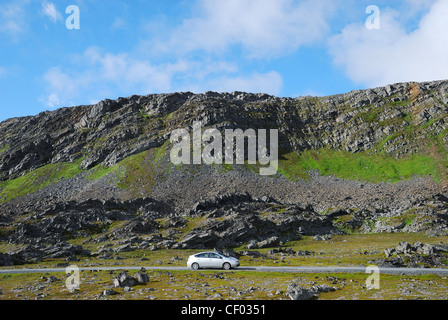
pixel 232 258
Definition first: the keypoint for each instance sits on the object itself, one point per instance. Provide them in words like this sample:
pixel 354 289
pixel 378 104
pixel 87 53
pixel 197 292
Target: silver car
pixel 212 259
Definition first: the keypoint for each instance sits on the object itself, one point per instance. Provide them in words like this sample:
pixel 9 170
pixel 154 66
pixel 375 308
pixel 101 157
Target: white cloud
pixel 393 54
pixel 264 28
pixel 125 71
pixel 53 101
pixel 49 10
pixel 415 6
pixel 12 20
pixel 270 83
pixel 201 53
pixel 61 82
pixel 98 75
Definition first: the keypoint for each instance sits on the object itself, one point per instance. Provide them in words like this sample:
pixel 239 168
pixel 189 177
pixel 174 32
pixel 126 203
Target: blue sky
pixel 281 47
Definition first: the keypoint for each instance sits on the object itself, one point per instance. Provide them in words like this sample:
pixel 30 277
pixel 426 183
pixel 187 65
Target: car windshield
pixel 211 255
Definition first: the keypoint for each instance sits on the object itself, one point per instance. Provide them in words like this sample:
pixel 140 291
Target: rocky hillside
pixel 399 119
pixel 374 159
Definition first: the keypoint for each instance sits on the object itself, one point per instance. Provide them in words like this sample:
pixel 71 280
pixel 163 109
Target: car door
pixel 203 260
pixel 215 260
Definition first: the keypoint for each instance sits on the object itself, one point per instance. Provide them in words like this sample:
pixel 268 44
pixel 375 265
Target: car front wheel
pixel 226 266
pixel 195 266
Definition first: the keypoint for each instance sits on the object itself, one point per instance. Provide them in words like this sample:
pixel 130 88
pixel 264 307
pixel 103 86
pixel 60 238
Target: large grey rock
pixel 296 292
pixel 404 248
pixel 109 292
pixel 269 243
pixel 123 279
pixel 141 278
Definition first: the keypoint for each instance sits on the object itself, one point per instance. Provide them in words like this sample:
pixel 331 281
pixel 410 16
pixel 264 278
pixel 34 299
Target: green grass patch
pixel 371 115
pixel 38 179
pixel 133 168
pixel 141 171
pixel 101 171
pixel 292 166
pixel 357 166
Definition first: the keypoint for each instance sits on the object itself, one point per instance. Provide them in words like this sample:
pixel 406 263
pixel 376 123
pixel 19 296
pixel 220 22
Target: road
pixel 308 269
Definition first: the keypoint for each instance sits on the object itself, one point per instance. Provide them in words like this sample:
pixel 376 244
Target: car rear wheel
pixel 195 266
pixel 226 266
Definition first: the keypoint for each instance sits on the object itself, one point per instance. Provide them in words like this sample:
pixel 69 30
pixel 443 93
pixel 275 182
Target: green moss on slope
pixel 38 179
pixel 357 166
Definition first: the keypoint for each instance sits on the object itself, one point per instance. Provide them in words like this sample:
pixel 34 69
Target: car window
pixel 214 256
pixel 202 255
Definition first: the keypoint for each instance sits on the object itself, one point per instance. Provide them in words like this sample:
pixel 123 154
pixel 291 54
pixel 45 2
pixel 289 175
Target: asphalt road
pixel 309 269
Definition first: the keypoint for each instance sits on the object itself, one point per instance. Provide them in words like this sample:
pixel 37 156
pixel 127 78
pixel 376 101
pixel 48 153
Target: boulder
pixel 252 244
pixel 109 292
pixel 296 292
pixel 251 253
pixel 141 278
pixel 124 280
pixel 270 242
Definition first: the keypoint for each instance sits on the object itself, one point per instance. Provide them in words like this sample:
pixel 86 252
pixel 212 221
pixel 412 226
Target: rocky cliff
pixel 365 155
pixel 398 119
